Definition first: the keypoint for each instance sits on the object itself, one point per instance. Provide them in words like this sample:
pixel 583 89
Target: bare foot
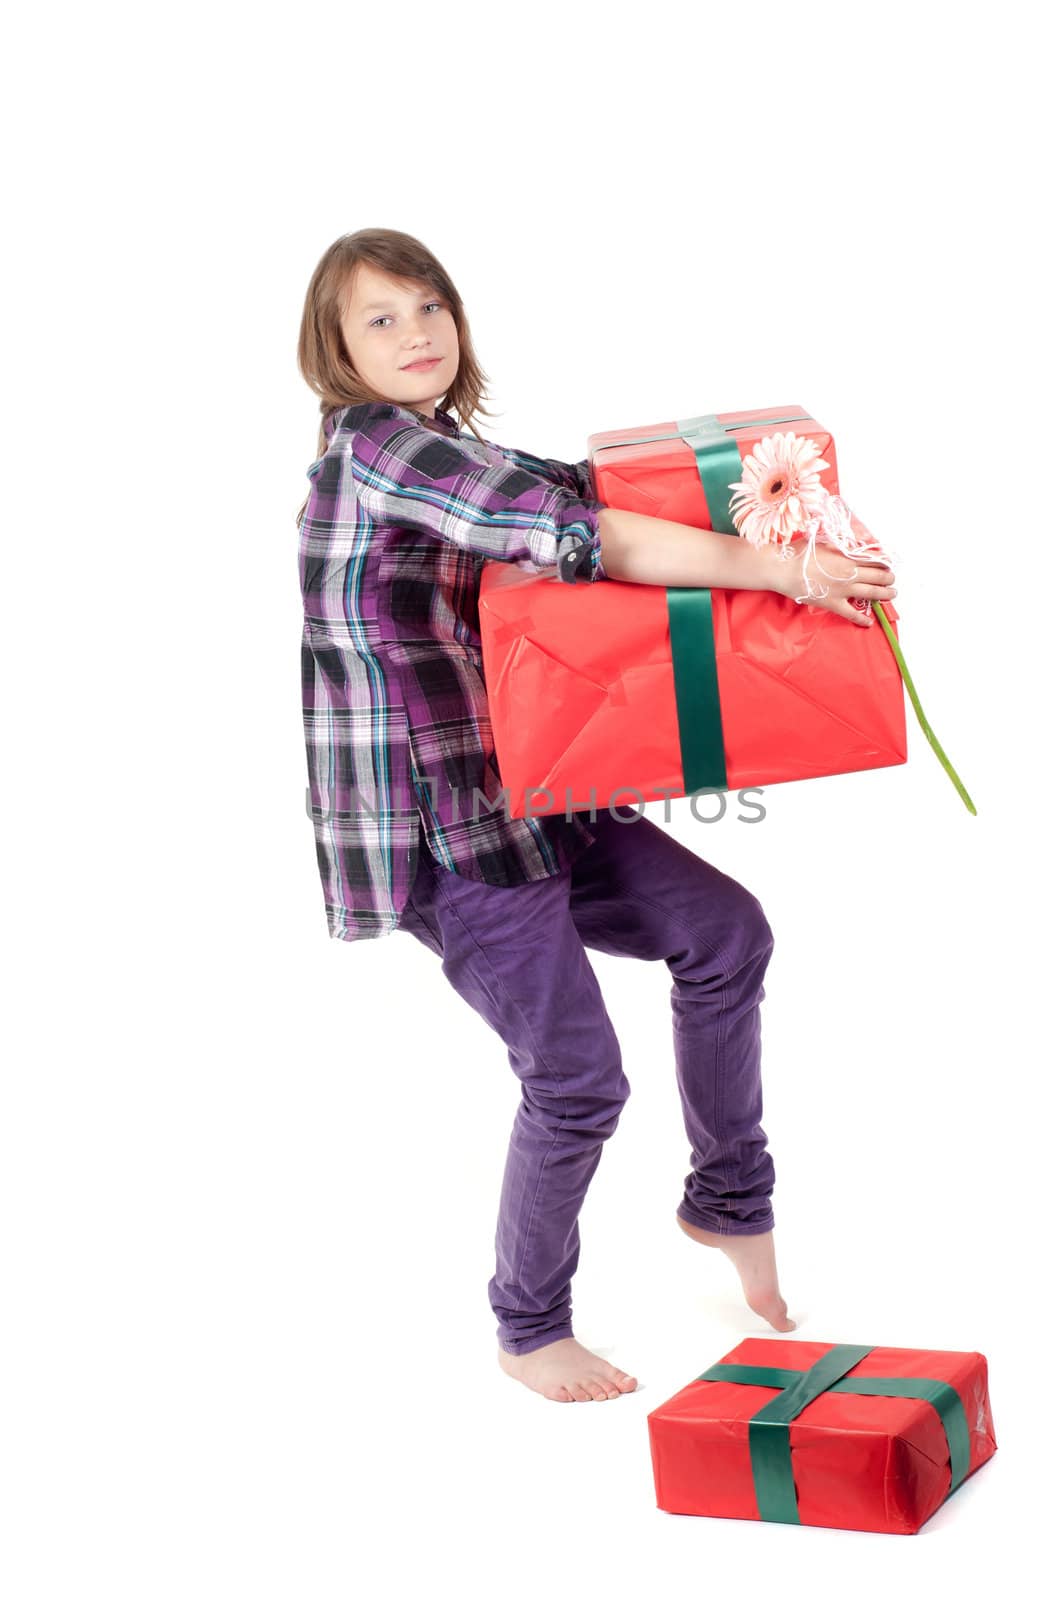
pixel 754 1256
pixel 567 1370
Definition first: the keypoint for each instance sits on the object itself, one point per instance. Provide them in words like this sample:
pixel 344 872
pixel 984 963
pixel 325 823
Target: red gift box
pixel 606 693
pixel 681 471
pixel 869 1437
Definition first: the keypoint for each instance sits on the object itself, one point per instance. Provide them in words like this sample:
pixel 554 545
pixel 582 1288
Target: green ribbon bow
pixel 697 688
pixel 769 1433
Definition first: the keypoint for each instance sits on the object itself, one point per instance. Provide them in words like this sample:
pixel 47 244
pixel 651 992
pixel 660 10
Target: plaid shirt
pixel 403 512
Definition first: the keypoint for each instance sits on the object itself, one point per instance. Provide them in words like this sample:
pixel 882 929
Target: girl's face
pixel 387 325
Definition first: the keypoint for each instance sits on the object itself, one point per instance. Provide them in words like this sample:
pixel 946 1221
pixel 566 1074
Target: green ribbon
pixel 769 1432
pixel 697 688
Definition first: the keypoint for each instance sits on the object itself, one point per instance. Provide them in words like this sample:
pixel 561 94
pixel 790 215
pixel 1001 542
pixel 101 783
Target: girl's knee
pixel 730 937
pixel 590 1106
pixel 756 941
pixel 599 1113
pixel 759 929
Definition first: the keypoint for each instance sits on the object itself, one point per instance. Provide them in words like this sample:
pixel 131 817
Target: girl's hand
pixel 843 577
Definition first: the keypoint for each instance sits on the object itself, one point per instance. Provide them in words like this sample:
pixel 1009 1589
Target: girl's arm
pixel 639 549
pixel 642 549
pixel 419 478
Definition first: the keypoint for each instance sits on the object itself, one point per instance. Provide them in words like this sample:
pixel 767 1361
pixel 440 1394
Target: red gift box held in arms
pixel 869 1437
pixel 603 693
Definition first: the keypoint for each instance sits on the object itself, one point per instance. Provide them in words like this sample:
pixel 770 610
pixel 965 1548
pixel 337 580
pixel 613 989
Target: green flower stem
pixel 910 686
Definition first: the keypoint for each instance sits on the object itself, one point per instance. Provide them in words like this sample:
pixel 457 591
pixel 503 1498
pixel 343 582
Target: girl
pixel 404 509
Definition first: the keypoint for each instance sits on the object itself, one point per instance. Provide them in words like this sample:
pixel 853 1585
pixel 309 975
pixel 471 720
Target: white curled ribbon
pixel 830 523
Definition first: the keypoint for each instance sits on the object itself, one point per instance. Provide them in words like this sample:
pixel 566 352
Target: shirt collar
pixel 441 419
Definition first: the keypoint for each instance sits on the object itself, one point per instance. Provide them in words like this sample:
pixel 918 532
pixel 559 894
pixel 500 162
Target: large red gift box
pixel 869 1437
pixel 604 693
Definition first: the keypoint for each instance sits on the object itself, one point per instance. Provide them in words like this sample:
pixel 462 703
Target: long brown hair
pixel 323 358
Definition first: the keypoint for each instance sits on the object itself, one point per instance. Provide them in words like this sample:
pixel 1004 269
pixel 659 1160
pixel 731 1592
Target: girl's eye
pixel 437 303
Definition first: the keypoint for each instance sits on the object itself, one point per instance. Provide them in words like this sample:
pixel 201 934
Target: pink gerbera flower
pixel 779 489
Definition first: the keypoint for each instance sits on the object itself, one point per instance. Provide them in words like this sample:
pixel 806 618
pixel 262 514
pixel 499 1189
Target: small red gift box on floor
pixel 601 693
pixel 862 1436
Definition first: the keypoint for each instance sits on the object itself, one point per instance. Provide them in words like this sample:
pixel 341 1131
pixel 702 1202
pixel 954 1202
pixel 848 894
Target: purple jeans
pixel 518 956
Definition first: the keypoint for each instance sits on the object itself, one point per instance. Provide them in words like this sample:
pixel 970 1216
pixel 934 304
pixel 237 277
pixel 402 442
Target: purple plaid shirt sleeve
pixel 575 476
pixel 487 504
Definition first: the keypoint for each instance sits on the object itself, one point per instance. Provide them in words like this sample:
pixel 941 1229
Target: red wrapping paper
pixel 660 479
pixel 874 1463
pixel 581 691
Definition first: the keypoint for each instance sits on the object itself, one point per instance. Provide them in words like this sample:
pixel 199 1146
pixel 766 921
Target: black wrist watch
pixel 576 559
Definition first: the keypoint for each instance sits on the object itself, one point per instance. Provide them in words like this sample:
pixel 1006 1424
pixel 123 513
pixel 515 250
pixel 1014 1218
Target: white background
pixel 248 1176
